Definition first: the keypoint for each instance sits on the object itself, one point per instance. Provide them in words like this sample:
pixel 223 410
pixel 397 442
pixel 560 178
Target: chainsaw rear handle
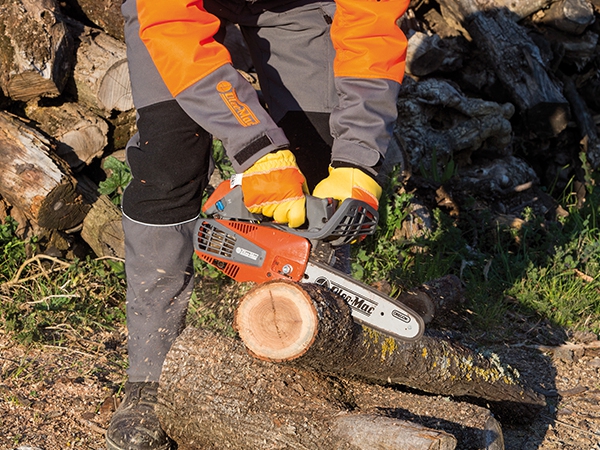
pixel 327 220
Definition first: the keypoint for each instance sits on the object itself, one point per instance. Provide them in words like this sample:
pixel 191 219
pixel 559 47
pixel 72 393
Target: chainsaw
pixel 247 247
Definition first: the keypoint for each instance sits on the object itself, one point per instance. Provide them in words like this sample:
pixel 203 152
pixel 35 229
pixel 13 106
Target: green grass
pixel 546 270
pixel 44 299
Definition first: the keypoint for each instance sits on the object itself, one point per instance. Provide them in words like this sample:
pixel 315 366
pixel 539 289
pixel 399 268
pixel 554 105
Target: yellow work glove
pixel 349 182
pixel 274 187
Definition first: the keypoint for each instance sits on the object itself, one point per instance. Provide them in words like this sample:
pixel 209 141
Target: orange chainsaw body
pixel 237 248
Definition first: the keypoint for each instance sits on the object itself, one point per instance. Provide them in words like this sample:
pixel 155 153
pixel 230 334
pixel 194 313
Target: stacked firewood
pixel 506 93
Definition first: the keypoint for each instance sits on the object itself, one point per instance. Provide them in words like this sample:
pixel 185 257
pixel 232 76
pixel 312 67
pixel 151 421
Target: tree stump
pixel 308 326
pixel 37 49
pixel 212 392
pixel 34 180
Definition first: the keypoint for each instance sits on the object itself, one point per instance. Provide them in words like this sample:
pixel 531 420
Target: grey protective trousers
pixel 170 157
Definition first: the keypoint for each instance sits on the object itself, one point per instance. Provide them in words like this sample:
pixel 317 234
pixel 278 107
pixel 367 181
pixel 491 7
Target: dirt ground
pixel 56 398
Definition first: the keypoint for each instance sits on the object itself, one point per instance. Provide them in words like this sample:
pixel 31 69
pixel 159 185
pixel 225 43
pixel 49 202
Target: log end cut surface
pixel 276 321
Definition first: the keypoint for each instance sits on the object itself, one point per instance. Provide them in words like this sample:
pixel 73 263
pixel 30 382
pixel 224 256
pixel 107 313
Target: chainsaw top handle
pixel 328 221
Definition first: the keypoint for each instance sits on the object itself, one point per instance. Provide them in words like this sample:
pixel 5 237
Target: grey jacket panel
pixel 249 132
pixel 293 56
pixel 147 86
pixel 363 122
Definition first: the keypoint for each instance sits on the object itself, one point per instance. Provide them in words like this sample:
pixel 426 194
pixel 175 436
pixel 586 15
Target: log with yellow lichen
pixel 310 327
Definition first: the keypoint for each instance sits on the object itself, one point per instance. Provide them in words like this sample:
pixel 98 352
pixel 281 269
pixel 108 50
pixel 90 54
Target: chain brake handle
pixel 327 220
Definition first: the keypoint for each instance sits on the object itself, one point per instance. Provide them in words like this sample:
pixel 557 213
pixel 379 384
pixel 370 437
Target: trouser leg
pixel 293 55
pixel 160 279
pixel 169 160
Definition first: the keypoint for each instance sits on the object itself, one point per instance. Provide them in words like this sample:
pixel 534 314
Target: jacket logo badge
pixel 239 109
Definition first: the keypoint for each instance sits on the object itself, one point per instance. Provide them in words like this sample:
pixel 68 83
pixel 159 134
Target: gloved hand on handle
pixel 349 182
pixel 274 187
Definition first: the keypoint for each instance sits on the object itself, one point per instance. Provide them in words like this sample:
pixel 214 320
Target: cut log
pixel 429 53
pixel 462 9
pixel 101 74
pixel 37 49
pixel 518 64
pixel 310 327
pixel 81 135
pixel 576 51
pixel 571 16
pixel 211 392
pixel 34 180
pixel 102 229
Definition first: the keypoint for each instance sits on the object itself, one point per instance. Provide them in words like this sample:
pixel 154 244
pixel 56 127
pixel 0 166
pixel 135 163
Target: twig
pixel 17 278
pixel 71 350
pixel 593 433
pixel 109 257
pixel 91 425
pixel 53 296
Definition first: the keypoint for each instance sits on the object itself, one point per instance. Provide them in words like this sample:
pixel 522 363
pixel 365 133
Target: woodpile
pixel 501 102
pixel 501 99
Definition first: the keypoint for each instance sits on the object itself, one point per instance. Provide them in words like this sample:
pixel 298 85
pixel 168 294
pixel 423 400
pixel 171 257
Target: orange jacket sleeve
pixel 367 41
pixel 179 37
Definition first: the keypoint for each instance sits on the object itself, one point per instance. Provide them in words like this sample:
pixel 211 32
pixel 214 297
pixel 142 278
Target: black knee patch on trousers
pixel 170 167
pixel 310 141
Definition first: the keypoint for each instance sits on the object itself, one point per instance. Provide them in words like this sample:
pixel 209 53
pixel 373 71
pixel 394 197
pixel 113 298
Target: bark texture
pixel 34 180
pixel 212 392
pixel 81 135
pixel 37 49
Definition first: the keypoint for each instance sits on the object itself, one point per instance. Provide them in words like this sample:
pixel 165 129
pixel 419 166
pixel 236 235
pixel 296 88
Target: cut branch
pixel 37 49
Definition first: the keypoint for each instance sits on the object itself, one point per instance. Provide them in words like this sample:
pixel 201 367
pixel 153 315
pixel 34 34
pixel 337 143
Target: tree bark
pixel 307 326
pixel 435 114
pixel 462 9
pixel 428 53
pixel 81 135
pixel 37 49
pixel 212 392
pixel 436 300
pixel 519 66
pixel 102 229
pixel 106 14
pixel 34 180
pixel 585 122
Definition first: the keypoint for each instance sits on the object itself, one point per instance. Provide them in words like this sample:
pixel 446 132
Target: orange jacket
pixel 179 37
